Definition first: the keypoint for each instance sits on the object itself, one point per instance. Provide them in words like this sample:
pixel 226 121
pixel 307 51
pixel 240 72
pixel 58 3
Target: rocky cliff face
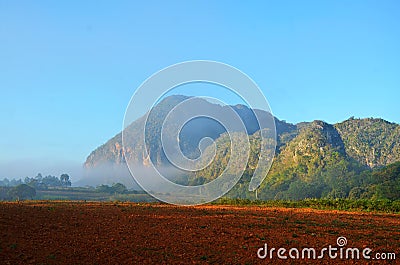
pixel 112 152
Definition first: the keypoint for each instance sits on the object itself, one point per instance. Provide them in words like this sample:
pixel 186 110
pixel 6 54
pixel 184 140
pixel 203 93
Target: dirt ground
pixel 129 233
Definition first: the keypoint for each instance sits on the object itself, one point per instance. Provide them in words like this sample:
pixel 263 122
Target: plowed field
pixel 127 233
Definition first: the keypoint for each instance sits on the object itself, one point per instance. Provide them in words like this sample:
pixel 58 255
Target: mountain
pixel 312 159
pixel 314 149
pixel 112 152
pixel 372 142
pixel 315 163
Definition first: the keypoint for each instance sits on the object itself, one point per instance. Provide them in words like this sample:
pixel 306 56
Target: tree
pixel 4 193
pixel 22 192
pixel 15 182
pixel 5 182
pixel 64 178
pixel 103 188
pixel 115 188
pixel 51 181
pixel 39 177
pixel 119 188
pixel 33 182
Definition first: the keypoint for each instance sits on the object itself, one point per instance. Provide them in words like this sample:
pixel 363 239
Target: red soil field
pixel 129 233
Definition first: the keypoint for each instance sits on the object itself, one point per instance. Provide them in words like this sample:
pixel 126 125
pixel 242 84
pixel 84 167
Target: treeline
pixel 368 205
pixel 342 180
pixel 39 182
pixel 52 187
pixel 26 189
pixel 19 192
pixel 116 188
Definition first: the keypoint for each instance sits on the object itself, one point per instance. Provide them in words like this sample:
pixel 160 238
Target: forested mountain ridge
pixel 312 159
pixel 315 163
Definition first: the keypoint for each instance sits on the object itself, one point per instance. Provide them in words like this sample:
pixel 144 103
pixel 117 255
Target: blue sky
pixel 69 68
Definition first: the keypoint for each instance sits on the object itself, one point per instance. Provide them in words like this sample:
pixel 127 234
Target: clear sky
pixel 69 68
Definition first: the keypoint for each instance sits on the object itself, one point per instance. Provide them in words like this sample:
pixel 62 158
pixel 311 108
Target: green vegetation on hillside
pixel 351 159
pixel 372 142
pixel 314 164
